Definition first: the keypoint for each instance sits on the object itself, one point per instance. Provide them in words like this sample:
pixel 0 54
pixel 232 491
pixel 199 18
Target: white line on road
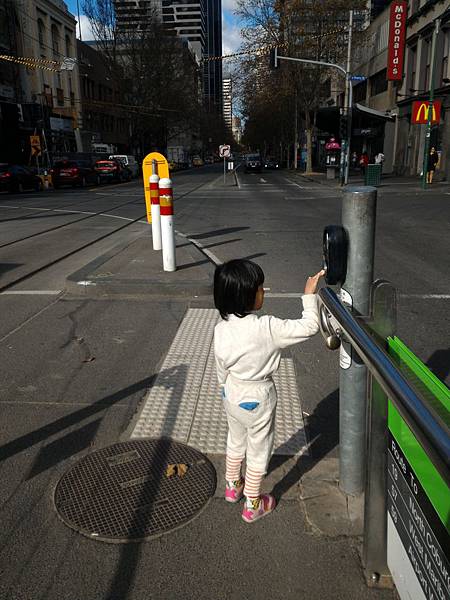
pixel 263 180
pixel 200 246
pixel 31 293
pixel 426 296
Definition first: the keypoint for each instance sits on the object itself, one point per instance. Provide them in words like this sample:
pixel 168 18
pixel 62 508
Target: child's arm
pixel 286 332
pixel 222 373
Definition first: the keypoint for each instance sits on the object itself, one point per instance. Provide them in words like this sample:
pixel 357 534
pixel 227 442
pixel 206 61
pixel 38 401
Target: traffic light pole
pixel 426 148
pixel 274 57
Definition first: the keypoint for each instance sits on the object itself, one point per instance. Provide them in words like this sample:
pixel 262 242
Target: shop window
pixel 55 39
pixel 68 46
pixel 60 96
pixel 412 65
pixel 360 92
pixel 427 54
pixel 378 83
pixel 444 69
pixel 41 33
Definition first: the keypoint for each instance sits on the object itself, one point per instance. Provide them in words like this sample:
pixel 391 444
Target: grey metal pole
pixel 358 219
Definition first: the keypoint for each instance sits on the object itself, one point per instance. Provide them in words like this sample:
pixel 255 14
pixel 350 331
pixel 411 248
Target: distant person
pixel 354 160
pixel 248 350
pixel 433 159
pixel 363 161
pixel 379 158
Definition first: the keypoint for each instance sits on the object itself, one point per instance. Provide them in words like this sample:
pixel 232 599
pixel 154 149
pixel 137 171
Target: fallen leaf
pixel 179 469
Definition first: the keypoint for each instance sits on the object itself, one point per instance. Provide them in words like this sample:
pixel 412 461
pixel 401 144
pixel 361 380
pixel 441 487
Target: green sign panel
pixel 418 540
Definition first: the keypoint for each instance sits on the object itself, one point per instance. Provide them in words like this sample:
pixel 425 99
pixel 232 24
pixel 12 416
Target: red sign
pixel 396 44
pixel 420 112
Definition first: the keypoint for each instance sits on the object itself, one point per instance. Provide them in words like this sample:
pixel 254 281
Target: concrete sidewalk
pixel 388 180
pixel 329 525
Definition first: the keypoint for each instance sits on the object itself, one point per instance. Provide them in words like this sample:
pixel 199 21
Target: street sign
pixel 420 110
pixel 418 499
pixel 357 78
pixel 35 142
pixel 224 151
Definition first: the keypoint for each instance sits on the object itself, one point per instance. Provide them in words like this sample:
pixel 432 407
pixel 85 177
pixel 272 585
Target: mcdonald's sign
pixel 420 110
pixel 396 43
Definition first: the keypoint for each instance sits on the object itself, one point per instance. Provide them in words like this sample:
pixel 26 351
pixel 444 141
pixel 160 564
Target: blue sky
pixel 230 26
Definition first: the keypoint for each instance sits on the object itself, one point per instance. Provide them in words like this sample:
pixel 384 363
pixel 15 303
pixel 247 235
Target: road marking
pixel 31 293
pixel 185 402
pixel 19 327
pixel 426 296
pixel 200 246
pixel 81 212
pixel 263 180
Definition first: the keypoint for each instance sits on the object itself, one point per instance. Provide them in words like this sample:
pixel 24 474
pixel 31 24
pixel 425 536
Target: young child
pixel 248 350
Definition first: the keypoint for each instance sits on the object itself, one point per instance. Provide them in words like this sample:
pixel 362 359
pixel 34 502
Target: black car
pixel 252 163
pixel 271 163
pixel 16 178
pixel 74 172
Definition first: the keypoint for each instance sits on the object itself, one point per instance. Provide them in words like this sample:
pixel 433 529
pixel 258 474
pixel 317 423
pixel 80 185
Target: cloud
pixel 86 30
pixel 229 5
pixel 231 37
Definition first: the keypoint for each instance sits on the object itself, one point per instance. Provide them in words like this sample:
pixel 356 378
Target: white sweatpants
pixel 251 432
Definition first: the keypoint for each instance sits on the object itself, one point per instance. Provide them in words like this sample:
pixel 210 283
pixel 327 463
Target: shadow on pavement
pixel 217 232
pixel 323 430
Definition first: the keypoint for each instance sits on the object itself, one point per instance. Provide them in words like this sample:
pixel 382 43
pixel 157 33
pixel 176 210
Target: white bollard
pixel 167 231
pixel 155 210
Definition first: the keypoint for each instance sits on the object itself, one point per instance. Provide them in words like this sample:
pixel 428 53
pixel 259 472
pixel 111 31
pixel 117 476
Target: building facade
pixel 43 99
pixel 48 31
pixel 104 123
pixel 228 103
pixel 390 128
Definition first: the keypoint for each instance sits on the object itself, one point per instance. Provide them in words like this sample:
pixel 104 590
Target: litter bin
pixel 373 174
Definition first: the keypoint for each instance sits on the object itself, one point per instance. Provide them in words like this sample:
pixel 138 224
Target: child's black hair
pixel 235 285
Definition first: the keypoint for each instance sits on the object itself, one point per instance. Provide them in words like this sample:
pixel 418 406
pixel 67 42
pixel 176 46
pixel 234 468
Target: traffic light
pixel 343 127
pixel 274 64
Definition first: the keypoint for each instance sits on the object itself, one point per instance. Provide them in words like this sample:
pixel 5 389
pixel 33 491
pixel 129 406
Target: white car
pixel 129 161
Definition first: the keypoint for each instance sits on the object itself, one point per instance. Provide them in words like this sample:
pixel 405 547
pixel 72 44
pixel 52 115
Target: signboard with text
pixel 396 43
pixel 420 112
pixel 418 499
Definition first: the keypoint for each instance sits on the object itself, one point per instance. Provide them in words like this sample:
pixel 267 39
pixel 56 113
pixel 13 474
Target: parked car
pixel 129 161
pixel 209 160
pixel 252 163
pixel 15 178
pixel 112 170
pixel 73 172
pixel 197 161
pixel 271 163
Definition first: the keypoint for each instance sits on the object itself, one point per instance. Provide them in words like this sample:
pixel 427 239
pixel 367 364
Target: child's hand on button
pixel 312 282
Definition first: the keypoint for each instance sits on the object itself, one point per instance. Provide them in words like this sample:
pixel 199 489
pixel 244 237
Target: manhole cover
pixel 122 493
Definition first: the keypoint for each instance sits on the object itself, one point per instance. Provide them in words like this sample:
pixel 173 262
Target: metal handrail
pixel 427 426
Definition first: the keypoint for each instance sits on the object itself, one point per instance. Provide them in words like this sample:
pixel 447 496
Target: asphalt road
pixel 74 371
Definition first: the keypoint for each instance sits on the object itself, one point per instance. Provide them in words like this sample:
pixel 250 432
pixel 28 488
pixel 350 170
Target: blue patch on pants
pixel 249 405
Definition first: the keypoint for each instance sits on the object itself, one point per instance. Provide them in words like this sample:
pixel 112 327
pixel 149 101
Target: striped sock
pixel 233 468
pixel 253 480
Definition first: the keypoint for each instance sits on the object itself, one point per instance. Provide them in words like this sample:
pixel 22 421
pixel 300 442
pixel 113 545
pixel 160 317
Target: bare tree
pixel 300 28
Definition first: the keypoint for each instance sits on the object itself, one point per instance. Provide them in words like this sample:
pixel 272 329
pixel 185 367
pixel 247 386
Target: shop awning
pixel 374 113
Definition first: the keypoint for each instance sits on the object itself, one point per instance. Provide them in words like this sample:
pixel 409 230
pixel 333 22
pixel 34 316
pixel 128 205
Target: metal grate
pixel 121 493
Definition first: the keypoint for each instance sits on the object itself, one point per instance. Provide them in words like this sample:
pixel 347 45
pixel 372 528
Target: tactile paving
pixel 185 403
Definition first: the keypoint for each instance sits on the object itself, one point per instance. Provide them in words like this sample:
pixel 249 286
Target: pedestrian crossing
pixel 185 403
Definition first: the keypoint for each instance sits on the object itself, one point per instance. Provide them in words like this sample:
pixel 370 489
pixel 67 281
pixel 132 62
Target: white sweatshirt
pixel 249 348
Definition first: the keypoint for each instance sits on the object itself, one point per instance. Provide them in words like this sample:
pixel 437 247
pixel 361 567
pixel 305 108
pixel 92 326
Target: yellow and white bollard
pixel 155 211
pixel 167 231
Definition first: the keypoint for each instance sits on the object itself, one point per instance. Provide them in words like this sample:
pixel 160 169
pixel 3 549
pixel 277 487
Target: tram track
pixel 28 275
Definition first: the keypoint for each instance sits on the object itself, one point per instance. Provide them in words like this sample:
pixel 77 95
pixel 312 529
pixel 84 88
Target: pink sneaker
pixel 234 490
pixel 261 507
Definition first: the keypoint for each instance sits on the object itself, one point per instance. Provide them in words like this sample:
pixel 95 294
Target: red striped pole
pixel 167 231
pixel 155 211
